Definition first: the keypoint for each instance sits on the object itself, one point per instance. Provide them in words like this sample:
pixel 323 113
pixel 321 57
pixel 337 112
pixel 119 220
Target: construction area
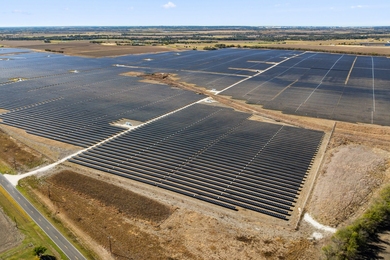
pixel 234 153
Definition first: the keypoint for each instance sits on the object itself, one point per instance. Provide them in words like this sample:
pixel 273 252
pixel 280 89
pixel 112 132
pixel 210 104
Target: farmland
pixel 110 41
pixel 197 154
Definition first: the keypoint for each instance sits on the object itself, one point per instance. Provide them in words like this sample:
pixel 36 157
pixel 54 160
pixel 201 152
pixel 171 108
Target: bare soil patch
pixel 85 48
pixel 132 74
pixel 370 135
pixel 352 174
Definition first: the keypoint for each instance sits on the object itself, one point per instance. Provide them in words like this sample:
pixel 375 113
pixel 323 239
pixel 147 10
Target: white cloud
pixel 16 11
pixel 169 5
pixel 356 6
pixel 282 5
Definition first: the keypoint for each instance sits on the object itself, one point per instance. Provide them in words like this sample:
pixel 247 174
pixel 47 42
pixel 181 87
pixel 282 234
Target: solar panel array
pixel 78 108
pixel 216 155
pixel 331 86
pixel 207 152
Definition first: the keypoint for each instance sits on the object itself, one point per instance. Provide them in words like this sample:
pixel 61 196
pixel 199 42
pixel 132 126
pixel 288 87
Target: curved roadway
pixel 69 250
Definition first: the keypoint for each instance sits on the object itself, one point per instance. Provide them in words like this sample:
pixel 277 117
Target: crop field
pixel 198 149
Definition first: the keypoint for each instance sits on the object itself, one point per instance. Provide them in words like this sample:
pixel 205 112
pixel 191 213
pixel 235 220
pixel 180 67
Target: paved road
pixel 69 250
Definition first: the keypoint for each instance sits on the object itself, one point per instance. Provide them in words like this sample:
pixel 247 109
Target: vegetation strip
pixel 355 240
pixel 33 236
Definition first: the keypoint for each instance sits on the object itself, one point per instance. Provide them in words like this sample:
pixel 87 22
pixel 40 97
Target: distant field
pixel 85 48
pixel 355 49
pixel 109 48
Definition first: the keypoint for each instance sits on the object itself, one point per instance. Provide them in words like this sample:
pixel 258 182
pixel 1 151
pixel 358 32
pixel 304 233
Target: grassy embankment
pixel 33 235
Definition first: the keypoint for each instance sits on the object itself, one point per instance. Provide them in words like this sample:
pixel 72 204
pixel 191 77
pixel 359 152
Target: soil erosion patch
pixel 352 174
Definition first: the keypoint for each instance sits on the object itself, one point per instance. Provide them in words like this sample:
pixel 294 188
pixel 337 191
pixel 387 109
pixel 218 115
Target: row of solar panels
pixel 85 120
pixel 214 154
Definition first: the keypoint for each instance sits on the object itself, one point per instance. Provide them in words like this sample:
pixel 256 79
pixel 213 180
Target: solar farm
pixel 184 142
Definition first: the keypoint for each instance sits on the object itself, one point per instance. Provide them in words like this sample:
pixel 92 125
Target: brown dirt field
pixel 351 175
pixel 10 237
pixel 84 48
pixel 17 157
pixel 184 234
pixel 369 135
pixel 137 206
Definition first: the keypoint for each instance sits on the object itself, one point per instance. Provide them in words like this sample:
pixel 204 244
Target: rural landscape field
pixel 194 142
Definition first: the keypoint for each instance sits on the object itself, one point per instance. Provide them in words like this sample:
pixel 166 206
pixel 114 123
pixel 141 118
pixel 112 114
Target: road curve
pixel 69 250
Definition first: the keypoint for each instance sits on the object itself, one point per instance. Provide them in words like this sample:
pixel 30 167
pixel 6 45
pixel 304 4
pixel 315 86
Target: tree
pixel 39 251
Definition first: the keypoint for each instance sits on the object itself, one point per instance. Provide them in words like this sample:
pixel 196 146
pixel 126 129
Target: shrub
pixel 209 48
pixel 351 241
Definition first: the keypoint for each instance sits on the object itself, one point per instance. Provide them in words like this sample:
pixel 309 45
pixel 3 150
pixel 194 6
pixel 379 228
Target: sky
pixel 200 12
